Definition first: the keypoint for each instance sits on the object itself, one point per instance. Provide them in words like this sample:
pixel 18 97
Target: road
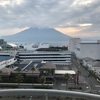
pixel 94 84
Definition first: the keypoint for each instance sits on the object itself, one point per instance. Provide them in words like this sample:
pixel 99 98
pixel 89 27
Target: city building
pixel 6 61
pixel 73 42
pixel 9 46
pixel 84 49
pixel 56 57
pixel 2 41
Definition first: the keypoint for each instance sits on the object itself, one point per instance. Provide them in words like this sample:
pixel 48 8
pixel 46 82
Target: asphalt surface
pixel 92 82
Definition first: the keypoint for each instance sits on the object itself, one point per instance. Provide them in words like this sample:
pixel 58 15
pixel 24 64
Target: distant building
pixel 73 42
pixel 84 49
pixel 44 45
pixel 2 41
pixel 0 48
pixel 87 49
pixel 6 61
pixel 9 46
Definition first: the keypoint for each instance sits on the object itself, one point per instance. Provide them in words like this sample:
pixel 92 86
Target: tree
pixel 18 70
pixel 78 73
pixel 0 76
pixel 19 79
pixel 67 77
pixel 42 80
pixel 32 69
pixel 91 74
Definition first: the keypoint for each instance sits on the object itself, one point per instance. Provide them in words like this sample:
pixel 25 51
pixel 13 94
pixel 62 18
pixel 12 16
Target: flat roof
pixel 65 72
pixel 4 57
pixel 89 43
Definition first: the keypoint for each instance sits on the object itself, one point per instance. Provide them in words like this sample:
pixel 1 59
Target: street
pixel 92 82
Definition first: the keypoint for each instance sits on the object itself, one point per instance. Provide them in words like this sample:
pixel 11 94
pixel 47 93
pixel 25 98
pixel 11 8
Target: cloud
pixel 10 31
pixel 48 13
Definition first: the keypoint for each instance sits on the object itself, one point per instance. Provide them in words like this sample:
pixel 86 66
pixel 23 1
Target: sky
pixel 77 18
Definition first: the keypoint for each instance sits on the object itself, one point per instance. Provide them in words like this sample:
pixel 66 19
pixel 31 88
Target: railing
pixel 43 52
pixel 47 93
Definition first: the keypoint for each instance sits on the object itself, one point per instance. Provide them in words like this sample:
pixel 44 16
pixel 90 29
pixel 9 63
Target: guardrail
pixel 47 92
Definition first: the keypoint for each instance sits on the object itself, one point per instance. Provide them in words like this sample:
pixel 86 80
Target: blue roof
pixel 4 58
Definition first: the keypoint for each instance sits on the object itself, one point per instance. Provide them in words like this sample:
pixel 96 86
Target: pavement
pixel 61 85
pixel 91 82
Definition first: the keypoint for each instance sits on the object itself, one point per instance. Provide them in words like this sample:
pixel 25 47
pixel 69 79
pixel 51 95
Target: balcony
pixel 45 94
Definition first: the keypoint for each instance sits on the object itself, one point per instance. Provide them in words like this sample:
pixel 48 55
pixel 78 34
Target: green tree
pixel 91 74
pixel 0 76
pixel 67 77
pixel 32 69
pixel 42 80
pixel 18 70
pixel 19 79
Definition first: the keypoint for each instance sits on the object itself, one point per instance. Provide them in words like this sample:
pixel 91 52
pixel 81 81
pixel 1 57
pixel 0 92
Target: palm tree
pixel 91 74
pixel 18 70
pixel 19 79
pixel 67 77
pixel 0 76
pixel 32 69
pixel 78 73
pixel 42 80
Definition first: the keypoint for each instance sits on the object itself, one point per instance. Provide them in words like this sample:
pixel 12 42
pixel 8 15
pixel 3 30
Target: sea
pixel 34 45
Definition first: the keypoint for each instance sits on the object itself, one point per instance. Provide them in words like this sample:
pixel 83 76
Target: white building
pixel 73 42
pixel 56 57
pixel 88 49
pixel 6 61
pixel 85 49
pixel 34 46
pixel 44 45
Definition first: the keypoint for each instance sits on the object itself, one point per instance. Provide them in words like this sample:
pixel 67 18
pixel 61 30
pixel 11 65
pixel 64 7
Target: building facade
pixel 6 61
pixel 56 57
pixel 84 49
pixel 73 42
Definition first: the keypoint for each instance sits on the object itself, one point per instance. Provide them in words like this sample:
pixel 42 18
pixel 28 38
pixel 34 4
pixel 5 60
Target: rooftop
pixel 48 65
pixel 5 57
pixel 65 72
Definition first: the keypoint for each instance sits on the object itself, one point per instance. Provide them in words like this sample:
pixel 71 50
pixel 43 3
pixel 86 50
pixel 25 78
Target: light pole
pixel 46 96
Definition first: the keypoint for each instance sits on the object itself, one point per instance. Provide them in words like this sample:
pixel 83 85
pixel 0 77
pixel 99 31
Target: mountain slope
pixel 37 35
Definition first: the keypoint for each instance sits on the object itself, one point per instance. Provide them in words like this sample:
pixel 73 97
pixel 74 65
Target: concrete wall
pixel 90 50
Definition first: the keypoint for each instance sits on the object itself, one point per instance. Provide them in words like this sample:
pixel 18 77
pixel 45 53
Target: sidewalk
pixel 83 86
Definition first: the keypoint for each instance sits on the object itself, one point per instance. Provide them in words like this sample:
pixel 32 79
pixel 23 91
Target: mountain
pixel 37 35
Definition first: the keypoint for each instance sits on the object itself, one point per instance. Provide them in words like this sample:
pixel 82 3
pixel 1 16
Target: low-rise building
pixel 6 61
pixel 56 57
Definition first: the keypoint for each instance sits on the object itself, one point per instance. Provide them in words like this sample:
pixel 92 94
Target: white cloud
pixel 85 25
pixel 10 31
pixel 48 13
pixel 82 2
pixel 10 2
